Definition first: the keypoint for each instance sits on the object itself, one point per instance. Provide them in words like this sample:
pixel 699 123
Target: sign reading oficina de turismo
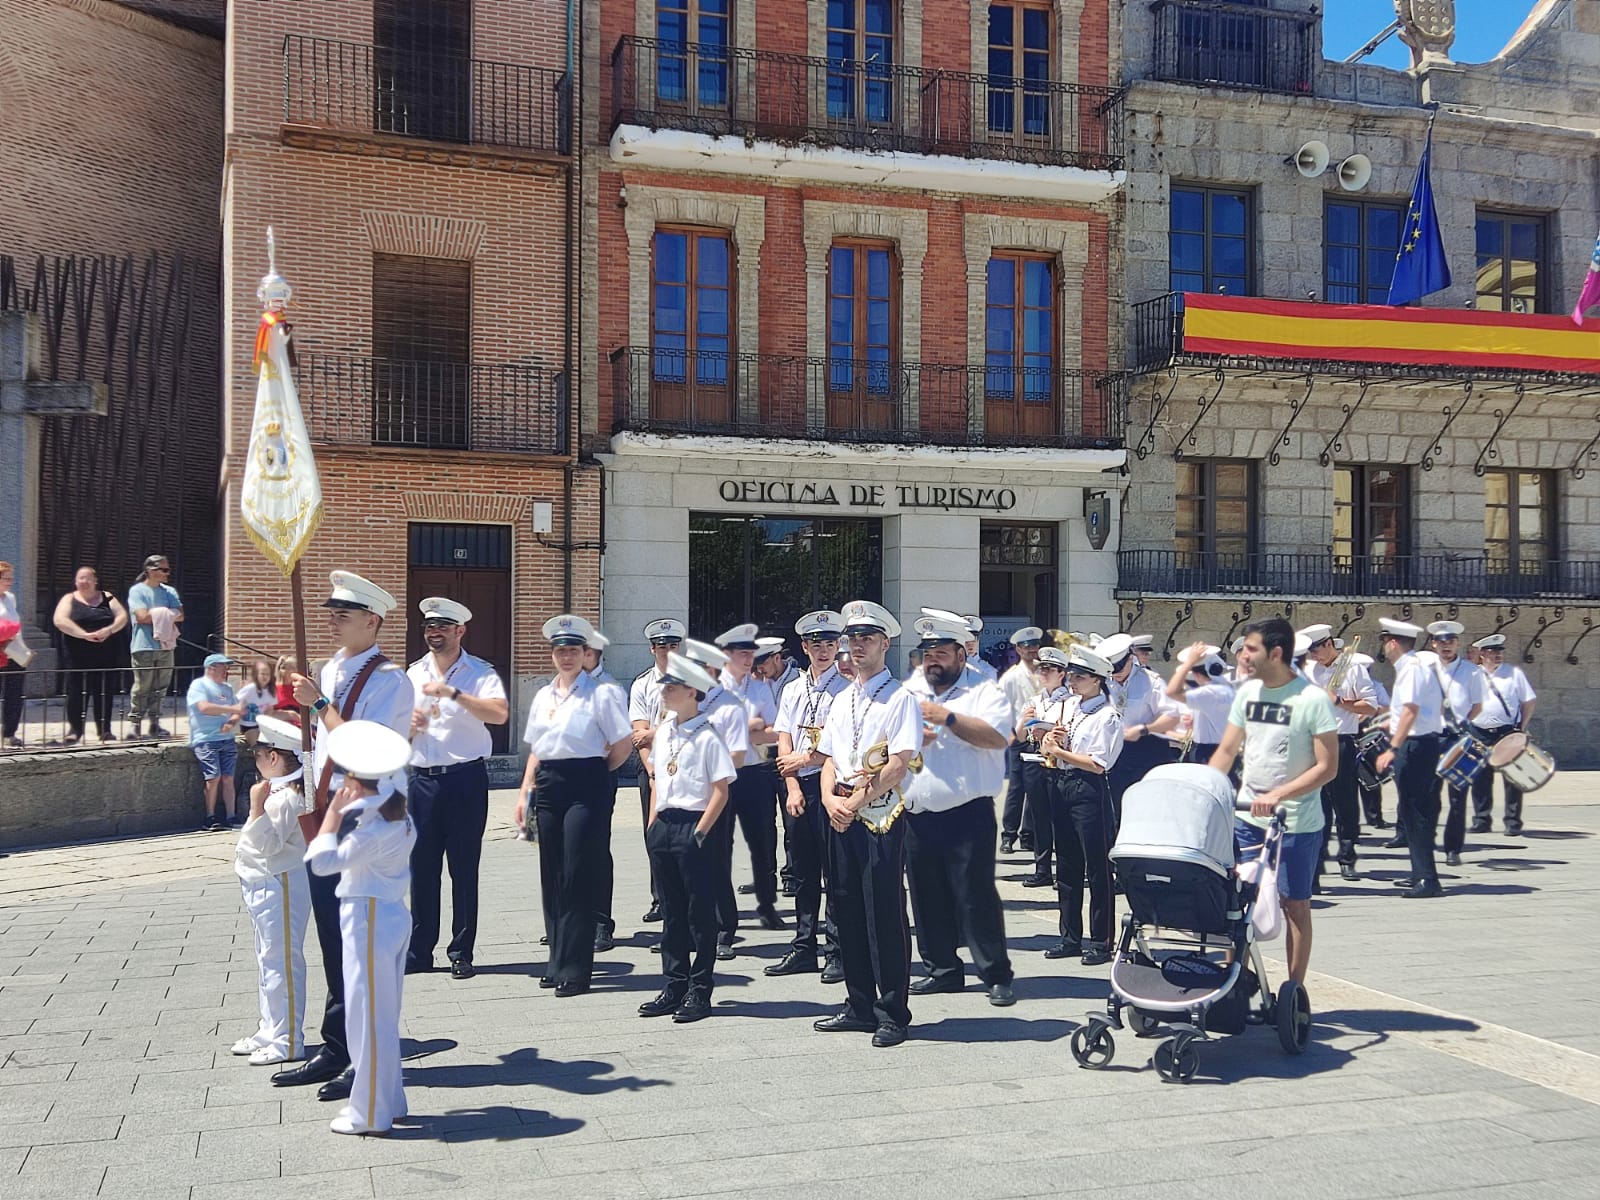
pixel 945 497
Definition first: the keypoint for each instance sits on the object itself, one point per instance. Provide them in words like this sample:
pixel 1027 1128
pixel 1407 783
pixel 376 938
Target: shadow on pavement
pixel 411 1050
pixel 497 1123
pixel 524 1068
pixel 1552 835
pixel 992 1029
pixel 772 1010
pixel 1394 1020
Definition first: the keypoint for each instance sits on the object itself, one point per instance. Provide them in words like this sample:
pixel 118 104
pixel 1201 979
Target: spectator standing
pixel 258 693
pixel 13 659
pixel 89 618
pixel 157 612
pixel 214 713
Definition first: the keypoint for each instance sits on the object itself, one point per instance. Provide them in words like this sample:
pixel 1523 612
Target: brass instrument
pixel 1341 666
pixel 878 815
pixel 812 732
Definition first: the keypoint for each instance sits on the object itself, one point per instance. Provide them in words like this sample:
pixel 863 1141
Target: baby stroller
pixel 1186 962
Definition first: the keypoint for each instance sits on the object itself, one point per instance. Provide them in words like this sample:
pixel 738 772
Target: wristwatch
pixel 699 837
pixel 950 720
pixel 320 703
pixel 455 693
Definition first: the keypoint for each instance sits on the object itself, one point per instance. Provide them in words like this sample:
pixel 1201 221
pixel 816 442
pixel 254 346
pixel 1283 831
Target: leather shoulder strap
pixel 347 711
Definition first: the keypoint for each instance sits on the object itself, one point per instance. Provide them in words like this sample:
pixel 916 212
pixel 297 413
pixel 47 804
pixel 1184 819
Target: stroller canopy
pixel 1181 812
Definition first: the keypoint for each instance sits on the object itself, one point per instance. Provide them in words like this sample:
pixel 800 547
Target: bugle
pixel 878 815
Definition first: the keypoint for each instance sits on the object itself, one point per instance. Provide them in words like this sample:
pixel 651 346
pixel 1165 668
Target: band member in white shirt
pixel 1020 684
pixel 802 713
pixel 730 717
pixel 1353 699
pixel 1464 700
pixel 867 870
pixel 754 795
pixel 577 734
pixel 665 634
pixel 950 818
pixel 1368 785
pixel 1084 748
pixel 357 683
pixel 975 657
pixel 1416 736
pixel 692 770
pixel 1142 703
pixel 1507 708
pixel 458 697
pixel 1200 682
pixel 773 669
pixel 1044 711
pixel 605 926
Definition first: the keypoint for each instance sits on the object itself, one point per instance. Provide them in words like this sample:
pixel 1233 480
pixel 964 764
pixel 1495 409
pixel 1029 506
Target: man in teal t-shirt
pixel 1290 739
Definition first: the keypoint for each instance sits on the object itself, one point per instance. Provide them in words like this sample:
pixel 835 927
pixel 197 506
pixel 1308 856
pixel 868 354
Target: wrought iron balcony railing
pixel 376 90
pixel 863 105
pixel 1235 46
pixel 1398 577
pixel 859 400
pixel 507 408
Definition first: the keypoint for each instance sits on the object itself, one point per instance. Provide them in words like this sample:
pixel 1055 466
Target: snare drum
pixel 1463 762
pixel 1372 741
pixel 1525 766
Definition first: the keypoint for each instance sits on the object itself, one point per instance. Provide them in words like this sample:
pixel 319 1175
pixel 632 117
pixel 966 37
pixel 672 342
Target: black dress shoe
pixel 1395 843
pixel 1377 823
pixel 1425 890
pixel 1479 827
pixel 1008 845
pixel 572 987
pixel 544 939
pixel 1404 881
pixel 338 1088
pixel 696 1006
pixel 843 1022
pixel 724 950
pixel 747 889
pixel 788 886
pixel 319 1068
pixel 1038 880
pixel 663 1005
pixel 769 917
pixel 417 966
pixel 603 941
pixel 652 914
pixel 796 962
pixel 547 981
pixel 1452 858
pixel 1064 950
pixel 1095 956
pixel 833 971
pixel 1347 872
pixel 930 985
pixel 462 968
pixel 889 1034
pixel 1001 995
pixel 1025 841
pixel 1513 830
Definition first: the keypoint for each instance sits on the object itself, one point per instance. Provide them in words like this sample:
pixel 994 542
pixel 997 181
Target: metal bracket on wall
pixel 1241 615
pixel 1336 442
pixel 1350 618
pixel 1207 403
pixel 1146 444
pixel 1588 628
pixel 1134 615
pixel 1296 407
pixel 1450 414
pixel 1500 418
pixel 1545 621
pixel 1587 453
pixel 1500 622
pixel 1184 614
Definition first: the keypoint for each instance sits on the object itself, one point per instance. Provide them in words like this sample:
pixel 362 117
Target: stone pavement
pixel 1455 1053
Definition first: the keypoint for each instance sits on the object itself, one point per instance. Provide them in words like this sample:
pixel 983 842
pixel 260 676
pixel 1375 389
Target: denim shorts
pixel 216 758
pixel 1297 861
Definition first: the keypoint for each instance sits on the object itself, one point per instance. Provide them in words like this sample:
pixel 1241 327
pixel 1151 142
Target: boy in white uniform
pixel 692 770
pixel 374 865
pixel 276 894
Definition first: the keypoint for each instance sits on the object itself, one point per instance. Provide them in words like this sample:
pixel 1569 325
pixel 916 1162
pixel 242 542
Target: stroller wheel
pixel 1177 1059
pixel 1293 1013
pixel 1093 1046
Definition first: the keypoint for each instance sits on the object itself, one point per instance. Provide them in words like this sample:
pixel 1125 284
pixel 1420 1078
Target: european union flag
pixel 1420 267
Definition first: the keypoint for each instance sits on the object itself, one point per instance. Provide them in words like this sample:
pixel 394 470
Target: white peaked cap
pixel 439 608
pixel 705 654
pixel 688 672
pixel 352 591
pixel 368 750
pixel 864 613
pixel 279 734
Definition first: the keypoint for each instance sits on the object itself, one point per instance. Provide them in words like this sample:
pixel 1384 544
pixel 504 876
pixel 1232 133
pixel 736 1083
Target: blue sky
pixel 1482 29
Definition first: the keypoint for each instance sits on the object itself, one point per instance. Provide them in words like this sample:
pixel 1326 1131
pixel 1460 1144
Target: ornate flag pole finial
pixel 274 292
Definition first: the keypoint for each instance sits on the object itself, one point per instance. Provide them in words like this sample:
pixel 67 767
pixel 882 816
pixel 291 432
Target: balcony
pixel 816 117
pixel 421 106
pixel 855 400
pixel 495 408
pixel 1400 578
pixel 1235 46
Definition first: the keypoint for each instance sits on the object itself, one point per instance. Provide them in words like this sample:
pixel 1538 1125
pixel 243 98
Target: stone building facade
pixel 1340 483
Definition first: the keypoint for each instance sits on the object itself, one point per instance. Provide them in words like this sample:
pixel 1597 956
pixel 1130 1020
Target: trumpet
pixel 1341 666
pixel 881 813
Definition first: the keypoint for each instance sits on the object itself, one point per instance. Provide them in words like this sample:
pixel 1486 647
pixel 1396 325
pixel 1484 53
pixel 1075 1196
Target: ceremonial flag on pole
pixel 281 499
pixel 1590 296
pixel 1420 267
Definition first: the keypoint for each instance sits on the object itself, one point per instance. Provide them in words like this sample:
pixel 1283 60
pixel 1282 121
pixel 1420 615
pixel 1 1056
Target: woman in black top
pixel 89 620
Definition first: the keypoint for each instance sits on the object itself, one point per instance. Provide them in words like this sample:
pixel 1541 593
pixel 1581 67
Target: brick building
pixel 415 160
pixel 850 312
pixel 1299 447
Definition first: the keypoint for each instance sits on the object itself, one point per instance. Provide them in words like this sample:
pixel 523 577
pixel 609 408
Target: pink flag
pixel 1590 296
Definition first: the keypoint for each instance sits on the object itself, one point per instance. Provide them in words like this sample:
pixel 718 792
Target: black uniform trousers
pixel 687 875
pixel 1341 808
pixel 867 899
pixel 809 844
pixel 572 804
pixel 325 912
pixel 606 877
pixel 1200 752
pixel 1036 816
pixel 950 867
pixel 1080 809
pixel 1415 775
pixel 1483 785
pixel 753 796
pixel 450 811
pixel 647 803
pixel 1011 818
pixel 1136 759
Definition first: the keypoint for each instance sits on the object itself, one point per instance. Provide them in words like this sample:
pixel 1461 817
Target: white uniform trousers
pixel 279 908
pixel 376 934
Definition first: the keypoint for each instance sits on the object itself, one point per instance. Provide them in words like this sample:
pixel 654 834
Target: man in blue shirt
pixel 157 612
pixel 214 713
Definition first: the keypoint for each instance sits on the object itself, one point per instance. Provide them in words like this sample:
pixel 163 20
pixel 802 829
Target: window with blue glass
pixel 691 312
pixel 1211 240
pixel 1020 329
pixel 693 37
pixel 861 60
pixel 1019 68
pixel 1361 238
pixel 862 288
